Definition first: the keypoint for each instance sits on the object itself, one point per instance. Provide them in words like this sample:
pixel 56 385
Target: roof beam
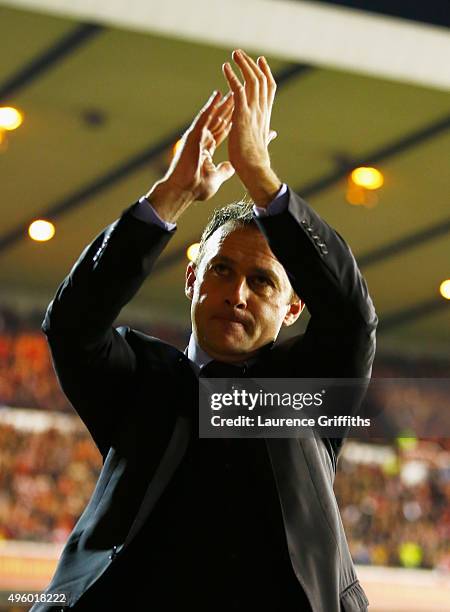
pixel 394 147
pixel 404 243
pixel 46 60
pixel 391 320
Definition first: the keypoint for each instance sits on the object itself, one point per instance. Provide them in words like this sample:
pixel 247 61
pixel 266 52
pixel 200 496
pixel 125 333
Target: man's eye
pixel 220 268
pixel 262 281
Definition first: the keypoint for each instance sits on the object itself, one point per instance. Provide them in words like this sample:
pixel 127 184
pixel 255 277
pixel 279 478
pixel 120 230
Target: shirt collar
pixel 200 357
pixel 196 354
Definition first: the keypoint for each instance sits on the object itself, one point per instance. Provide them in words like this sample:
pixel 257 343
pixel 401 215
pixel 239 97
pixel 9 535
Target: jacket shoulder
pixel 149 347
pixel 283 348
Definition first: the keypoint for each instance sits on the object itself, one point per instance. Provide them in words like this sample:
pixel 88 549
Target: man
pixel 176 520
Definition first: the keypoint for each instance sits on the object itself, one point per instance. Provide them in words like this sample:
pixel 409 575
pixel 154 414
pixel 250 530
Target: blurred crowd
pixel 397 511
pixel 27 378
pixel 395 502
pixel 46 479
pixel 26 373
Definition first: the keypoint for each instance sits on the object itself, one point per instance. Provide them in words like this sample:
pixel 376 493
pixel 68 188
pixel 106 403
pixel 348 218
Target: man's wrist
pixel 168 200
pixel 277 206
pixel 262 185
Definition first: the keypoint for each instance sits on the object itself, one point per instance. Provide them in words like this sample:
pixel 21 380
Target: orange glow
pixel 355 195
pixel 358 196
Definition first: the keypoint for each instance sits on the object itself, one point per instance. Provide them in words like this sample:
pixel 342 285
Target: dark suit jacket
pixel 118 381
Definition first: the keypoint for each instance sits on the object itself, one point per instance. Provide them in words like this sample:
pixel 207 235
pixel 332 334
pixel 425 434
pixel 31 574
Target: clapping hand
pixel 250 133
pixel 192 175
pixel 193 167
pixel 244 116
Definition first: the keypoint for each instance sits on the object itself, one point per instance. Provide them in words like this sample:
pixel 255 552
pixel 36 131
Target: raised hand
pixel 250 133
pixel 192 175
pixel 193 167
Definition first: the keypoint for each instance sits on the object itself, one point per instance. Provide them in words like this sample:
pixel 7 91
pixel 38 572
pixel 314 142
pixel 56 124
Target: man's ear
pixel 190 280
pixel 294 311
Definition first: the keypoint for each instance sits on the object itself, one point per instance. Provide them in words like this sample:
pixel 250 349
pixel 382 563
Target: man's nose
pixel 237 294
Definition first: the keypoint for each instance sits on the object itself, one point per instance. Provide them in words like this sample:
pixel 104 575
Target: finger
pixel 222 125
pixel 207 165
pixel 228 113
pixel 271 83
pixel 219 133
pixel 223 134
pixel 216 125
pixel 208 142
pixel 205 115
pixel 227 100
pixel 206 157
pixel 224 105
pixel 235 85
pixel 222 112
pixel 272 136
pixel 249 75
pixel 260 75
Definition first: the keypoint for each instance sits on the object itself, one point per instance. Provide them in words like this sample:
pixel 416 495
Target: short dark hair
pixel 237 214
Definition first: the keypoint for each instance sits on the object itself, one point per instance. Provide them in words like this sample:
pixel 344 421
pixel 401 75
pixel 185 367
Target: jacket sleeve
pixel 339 341
pixel 93 361
pixel 340 337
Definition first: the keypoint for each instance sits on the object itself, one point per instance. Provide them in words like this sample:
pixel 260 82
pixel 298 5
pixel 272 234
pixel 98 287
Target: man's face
pixel 240 294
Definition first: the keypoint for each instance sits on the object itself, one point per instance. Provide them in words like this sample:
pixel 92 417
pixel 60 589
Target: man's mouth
pixel 234 320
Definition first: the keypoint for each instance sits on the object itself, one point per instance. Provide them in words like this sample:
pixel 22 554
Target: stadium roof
pixel 107 88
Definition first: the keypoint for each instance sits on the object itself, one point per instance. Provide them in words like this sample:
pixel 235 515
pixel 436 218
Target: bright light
pixel 445 289
pixel 41 230
pixel 10 118
pixel 369 178
pixel 192 251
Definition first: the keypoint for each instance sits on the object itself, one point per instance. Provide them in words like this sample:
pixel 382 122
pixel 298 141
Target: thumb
pixel 225 171
pixel 272 136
